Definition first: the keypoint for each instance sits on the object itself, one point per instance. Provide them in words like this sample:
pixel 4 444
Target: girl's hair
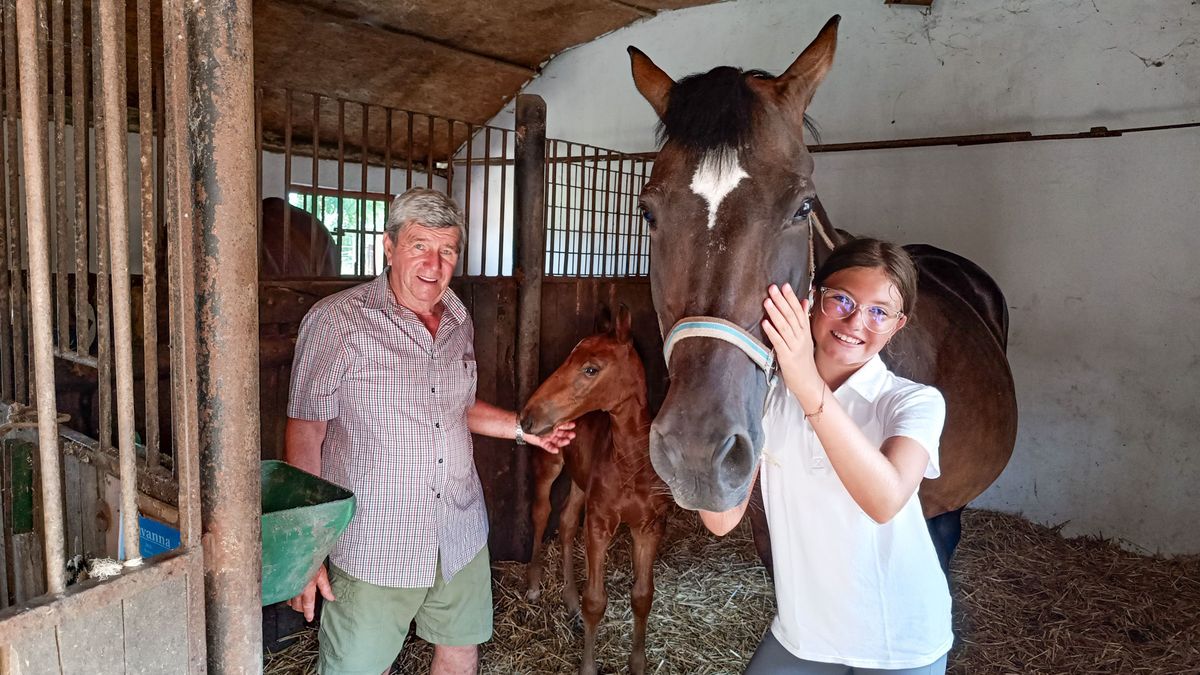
pixel 875 254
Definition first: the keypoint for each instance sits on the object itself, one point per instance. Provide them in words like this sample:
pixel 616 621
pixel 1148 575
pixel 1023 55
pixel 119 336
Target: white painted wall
pixel 1094 242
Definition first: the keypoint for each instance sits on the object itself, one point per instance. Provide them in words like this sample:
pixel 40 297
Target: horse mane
pixel 714 111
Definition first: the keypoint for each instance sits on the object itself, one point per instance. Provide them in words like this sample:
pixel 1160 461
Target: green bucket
pixel 302 517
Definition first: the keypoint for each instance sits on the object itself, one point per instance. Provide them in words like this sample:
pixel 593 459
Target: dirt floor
pixel 1026 601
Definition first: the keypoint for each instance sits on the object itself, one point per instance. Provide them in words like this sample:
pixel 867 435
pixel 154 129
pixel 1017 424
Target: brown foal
pixel 602 385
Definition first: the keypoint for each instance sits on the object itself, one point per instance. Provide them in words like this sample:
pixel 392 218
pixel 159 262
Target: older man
pixel 383 403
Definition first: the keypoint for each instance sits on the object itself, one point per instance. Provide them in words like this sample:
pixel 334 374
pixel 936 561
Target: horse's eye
pixel 590 371
pixel 806 207
pixel 647 215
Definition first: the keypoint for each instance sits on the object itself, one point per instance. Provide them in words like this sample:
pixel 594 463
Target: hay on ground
pixel 1026 601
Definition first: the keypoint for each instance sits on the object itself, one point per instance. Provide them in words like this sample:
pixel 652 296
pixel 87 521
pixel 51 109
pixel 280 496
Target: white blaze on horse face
pixel 716 176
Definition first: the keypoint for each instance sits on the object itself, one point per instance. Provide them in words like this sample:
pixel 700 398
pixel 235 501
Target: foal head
pixel 727 205
pixel 603 372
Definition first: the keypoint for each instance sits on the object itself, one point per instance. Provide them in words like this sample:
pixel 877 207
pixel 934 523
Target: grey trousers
pixel 771 658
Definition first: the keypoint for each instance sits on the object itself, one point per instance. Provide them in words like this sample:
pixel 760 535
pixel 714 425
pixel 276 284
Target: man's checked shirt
pixel 396 403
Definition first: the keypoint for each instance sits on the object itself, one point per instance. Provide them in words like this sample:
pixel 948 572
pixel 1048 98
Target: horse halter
pixel 720 329
pixel 727 331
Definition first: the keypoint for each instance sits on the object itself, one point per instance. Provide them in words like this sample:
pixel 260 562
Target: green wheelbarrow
pixel 302 517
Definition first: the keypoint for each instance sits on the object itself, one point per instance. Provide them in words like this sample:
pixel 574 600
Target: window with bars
pixel 355 221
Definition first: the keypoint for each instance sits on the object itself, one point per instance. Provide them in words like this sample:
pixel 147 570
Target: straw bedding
pixel 1026 601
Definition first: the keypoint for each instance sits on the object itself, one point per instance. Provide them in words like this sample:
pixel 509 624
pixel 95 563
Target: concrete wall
pixel 1094 242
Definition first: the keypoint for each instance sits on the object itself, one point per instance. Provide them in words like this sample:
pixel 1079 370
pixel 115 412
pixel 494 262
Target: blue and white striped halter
pixel 727 331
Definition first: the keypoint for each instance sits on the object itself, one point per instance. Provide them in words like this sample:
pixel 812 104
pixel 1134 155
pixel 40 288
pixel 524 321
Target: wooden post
pixel 529 213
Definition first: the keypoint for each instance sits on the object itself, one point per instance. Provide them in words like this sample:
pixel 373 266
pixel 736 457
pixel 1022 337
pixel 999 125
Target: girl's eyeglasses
pixel 837 304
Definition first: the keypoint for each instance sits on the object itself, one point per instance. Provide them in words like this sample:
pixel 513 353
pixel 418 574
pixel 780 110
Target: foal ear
pixel 624 319
pixel 602 323
pixel 654 84
pixel 797 84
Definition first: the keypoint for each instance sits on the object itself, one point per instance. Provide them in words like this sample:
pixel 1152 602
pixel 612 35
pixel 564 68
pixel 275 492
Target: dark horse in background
pixel 302 249
pixel 732 208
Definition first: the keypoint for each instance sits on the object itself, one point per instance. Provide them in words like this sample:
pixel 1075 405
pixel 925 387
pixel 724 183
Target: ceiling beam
pixel 394 30
pixel 644 11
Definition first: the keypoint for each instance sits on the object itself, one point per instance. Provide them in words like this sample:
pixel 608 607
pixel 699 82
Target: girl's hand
pixel 788 329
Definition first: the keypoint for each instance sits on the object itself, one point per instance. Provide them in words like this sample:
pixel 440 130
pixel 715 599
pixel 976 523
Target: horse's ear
pixel 603 321
pixel 654 84
pixel 797 84
pixel 624 319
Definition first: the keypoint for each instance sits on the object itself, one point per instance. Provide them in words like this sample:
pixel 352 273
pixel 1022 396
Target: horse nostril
pixel 734 460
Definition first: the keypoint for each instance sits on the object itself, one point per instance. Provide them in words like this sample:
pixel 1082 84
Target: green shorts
pixel 364 629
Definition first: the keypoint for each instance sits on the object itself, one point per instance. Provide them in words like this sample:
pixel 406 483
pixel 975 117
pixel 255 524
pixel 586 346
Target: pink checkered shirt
pixel 396 402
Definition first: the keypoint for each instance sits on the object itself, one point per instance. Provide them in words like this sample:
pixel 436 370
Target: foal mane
pixel 714 111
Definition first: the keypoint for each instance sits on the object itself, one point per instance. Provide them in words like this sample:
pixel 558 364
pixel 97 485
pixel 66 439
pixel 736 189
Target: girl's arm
pixel 879 479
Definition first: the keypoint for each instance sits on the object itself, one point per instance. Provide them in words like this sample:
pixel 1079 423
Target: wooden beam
pixel 395 30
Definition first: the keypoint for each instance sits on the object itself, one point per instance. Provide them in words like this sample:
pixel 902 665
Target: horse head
pixel 727 205
pixel 602 373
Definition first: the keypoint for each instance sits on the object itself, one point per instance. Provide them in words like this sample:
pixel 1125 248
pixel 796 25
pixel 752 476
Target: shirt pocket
pixel 459 381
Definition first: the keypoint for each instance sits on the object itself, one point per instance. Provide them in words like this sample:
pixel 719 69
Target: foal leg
pixel 600 528
pixel 568 524
pixel 645 551
pixel 546 468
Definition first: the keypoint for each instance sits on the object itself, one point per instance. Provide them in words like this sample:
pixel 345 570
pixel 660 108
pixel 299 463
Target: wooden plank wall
pixel 569 307
pixel 132 624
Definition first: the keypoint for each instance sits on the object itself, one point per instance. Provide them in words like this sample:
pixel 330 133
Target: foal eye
pixel 806 208
pixel 590 371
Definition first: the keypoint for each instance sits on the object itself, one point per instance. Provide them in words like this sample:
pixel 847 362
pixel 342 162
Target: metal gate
pixel 72 286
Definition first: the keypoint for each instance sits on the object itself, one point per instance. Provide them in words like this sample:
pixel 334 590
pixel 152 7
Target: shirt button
pixel 439 460
pixel 438 495
pixel 433 390
pixel 437 425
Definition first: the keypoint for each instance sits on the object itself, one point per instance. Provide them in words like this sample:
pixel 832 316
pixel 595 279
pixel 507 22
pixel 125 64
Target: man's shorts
pixel 364 629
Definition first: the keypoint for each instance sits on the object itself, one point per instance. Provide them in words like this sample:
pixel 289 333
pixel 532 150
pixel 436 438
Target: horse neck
pixel 630 420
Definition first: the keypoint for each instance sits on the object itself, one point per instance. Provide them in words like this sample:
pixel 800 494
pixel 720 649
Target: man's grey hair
pixel 427 207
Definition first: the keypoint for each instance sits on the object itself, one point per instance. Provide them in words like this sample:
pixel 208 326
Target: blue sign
pixel 156 537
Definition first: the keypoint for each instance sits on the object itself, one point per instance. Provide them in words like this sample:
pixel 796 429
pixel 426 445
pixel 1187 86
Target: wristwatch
pixel 519 434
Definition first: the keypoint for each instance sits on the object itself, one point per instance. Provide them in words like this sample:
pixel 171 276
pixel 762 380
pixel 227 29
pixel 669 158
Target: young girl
pixel 857 580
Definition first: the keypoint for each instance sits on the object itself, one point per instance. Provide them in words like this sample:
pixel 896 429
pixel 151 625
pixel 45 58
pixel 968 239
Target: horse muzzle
pixel 707 437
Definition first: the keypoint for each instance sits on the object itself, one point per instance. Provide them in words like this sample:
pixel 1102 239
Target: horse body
pixel 303 249
pixel 602 386
pixel 717 261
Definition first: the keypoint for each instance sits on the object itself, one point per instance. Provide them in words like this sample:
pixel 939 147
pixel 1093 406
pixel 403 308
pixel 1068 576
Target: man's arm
pixel 302 441
pixel 486 419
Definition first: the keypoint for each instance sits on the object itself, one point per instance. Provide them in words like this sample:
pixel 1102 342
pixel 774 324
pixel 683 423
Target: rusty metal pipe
pixel 103 287
pixel 79 127
pixel 149 244
pixel 7 343
pixel 20 360
pixel 33 129
pixel 222 106
pixel 62 260
pixel 112 59
pixel 181 276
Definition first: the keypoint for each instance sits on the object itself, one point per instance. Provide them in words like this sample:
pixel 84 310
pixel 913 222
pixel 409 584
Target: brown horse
pixel 732 208
pixel 602 384
pixel 305 250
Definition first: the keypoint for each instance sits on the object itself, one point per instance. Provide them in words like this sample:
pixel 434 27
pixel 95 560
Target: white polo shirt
pixel 850 590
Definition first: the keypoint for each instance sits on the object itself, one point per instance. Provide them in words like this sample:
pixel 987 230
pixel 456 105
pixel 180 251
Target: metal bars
pixel 361 155
pixel 30 19
pixel 593 225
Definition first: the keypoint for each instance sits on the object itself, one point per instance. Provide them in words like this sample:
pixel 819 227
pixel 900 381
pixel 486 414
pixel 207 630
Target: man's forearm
pixel 302 441
pixel 486 419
